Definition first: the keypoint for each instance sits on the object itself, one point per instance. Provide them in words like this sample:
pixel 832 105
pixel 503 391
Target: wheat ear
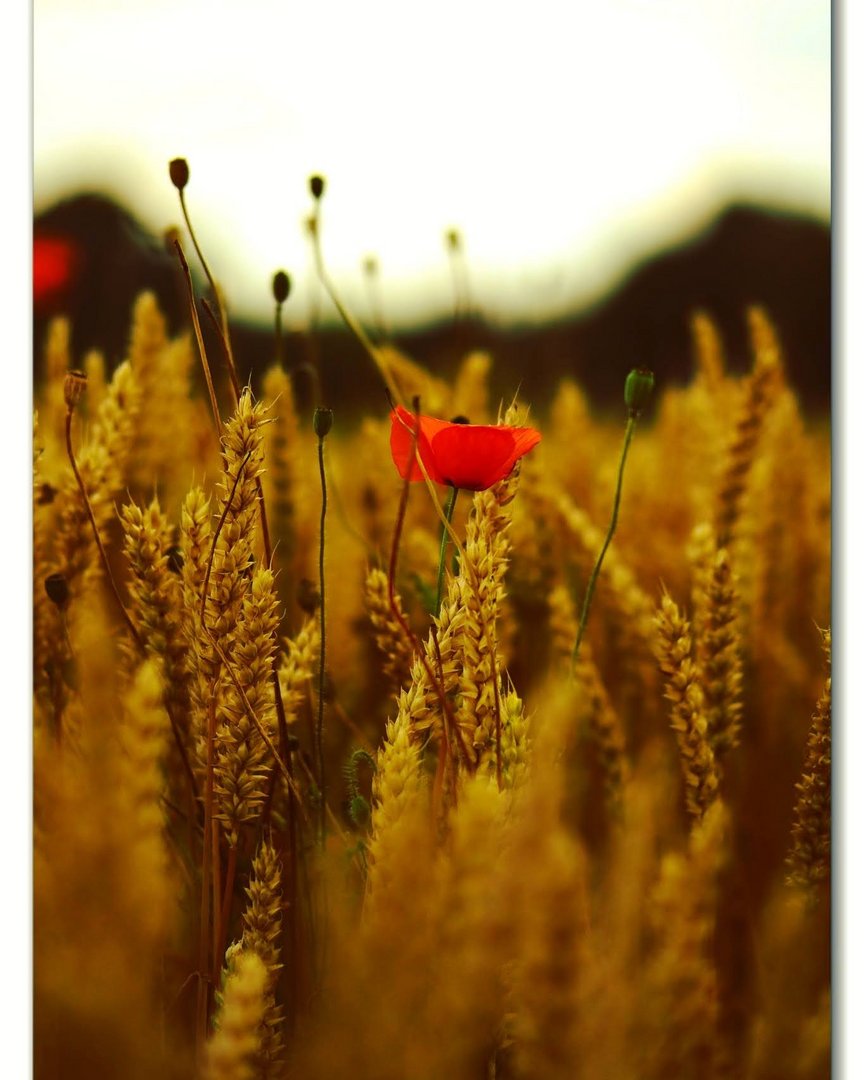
pixel 684 690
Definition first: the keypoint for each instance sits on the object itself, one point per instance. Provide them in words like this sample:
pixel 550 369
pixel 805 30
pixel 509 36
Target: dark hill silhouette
pixel 748 255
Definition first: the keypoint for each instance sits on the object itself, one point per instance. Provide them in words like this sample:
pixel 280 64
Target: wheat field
pixel 441 846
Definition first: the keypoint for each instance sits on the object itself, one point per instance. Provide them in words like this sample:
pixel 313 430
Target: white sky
pixel 564 138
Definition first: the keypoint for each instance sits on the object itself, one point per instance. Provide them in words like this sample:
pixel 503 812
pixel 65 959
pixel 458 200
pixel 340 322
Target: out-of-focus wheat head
pixel 533 868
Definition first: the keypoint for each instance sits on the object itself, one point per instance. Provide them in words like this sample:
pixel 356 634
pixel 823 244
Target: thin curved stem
pixel 133 630
pixel 199 337
pixel 442 557
pixel 223 315
pixel 319 727
pixel 350 321
pixel 592 581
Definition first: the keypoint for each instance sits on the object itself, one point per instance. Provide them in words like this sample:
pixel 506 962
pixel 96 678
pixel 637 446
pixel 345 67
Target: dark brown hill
pixel 748 255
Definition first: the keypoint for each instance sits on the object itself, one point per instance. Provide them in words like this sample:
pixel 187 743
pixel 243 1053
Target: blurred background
pixel 606 168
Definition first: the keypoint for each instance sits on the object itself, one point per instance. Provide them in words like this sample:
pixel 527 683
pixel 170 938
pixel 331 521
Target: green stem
pixel 592 581
pixel 319 730
pixel 448 514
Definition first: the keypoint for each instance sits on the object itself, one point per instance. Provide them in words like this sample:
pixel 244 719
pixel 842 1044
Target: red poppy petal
pixel 402 424
pixel 53 264
pixel 473 456
pixel 526 439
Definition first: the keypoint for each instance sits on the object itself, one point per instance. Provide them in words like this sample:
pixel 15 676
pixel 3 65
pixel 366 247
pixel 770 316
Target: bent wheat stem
pixel 196 323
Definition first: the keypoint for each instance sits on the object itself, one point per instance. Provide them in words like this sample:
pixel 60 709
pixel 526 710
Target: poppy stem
pixel 442 558
pixel 592 581
pixel 350 321
pixel 322 421
pixel 319 727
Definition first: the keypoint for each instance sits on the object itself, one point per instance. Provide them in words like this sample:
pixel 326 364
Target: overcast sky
pixel 564 138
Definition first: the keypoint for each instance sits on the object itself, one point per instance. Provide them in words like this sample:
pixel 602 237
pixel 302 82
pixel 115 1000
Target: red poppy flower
pixel 54 262
pixel 468 456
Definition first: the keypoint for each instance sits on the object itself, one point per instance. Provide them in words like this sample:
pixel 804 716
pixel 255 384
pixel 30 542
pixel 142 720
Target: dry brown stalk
pixel 809 860
pixel 684 690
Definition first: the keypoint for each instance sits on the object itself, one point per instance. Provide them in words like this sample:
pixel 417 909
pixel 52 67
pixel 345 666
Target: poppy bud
pixel 322 421
pixel 57 589
pixel 281 286
pixel 73 388
pixel 637 390
pixel 178 170
pixel 316 186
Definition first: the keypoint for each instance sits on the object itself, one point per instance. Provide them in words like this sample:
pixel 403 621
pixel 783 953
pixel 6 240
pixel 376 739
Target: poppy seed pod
pixel 73 388
pixel 637 390
pixel 178 170
pixel 57 589
pixel 322 421
pixel 281 286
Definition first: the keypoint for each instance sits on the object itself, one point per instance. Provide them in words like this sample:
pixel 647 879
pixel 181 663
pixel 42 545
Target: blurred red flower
pixel 468 456
pixel 54 263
